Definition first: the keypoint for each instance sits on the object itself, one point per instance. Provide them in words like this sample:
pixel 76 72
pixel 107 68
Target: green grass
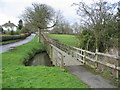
pixel 105 74
pixel 16 75
pixel 67 39
pixel 7 42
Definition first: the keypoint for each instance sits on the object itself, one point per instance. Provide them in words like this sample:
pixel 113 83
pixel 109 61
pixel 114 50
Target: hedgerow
pixel 13 37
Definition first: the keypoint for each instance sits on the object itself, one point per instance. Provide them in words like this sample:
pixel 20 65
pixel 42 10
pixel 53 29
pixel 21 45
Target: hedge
pixel 13 37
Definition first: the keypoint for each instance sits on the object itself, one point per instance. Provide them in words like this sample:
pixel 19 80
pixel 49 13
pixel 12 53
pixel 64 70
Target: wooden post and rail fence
pixel 55 55
pixel 97 60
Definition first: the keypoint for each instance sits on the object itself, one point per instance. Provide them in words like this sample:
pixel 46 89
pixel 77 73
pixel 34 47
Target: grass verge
pixel 115 81
pixel 16 75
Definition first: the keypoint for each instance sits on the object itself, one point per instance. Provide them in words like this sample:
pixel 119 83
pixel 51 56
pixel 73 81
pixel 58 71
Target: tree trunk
pixel 118 54
pixel 39 35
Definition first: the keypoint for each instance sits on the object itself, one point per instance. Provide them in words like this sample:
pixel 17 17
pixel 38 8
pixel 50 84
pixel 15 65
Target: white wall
pixel 6 28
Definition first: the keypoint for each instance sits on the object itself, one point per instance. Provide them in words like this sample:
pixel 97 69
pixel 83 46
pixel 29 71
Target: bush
pixel 24 30
pixel 17 32
pixel 13 37
pixel 12 32
pixel 86 40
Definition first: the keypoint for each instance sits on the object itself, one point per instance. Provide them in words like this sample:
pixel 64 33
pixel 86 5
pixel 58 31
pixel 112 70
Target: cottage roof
pixel 9 24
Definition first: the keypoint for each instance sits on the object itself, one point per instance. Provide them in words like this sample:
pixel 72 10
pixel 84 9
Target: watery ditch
pixel 39 59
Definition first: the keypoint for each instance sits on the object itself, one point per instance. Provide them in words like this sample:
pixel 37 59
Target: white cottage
pixel 9 26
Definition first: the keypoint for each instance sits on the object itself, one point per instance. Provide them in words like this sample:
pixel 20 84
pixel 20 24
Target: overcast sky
pixel 12 9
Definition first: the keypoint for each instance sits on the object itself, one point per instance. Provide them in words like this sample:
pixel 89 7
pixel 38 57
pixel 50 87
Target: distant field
pixel 67 39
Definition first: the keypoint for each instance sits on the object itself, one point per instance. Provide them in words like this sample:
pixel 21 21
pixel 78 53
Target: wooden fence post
pixel 50 47
pixel 62 61
pixel 118 59
pixel 84 57
pixel 118 65
pixel 96 59
pixel 68 49
pixel 56 59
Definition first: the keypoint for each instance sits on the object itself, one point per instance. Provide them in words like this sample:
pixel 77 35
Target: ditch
pixel 41 58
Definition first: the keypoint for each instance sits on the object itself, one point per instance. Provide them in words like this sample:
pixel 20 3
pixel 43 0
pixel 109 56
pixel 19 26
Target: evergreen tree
pixel 1 29
pixel 20 24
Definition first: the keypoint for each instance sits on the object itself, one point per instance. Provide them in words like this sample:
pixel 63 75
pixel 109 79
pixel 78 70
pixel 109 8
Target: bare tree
pixel 95 16
pixel 62 26
pixel 41 16
pixel 77 28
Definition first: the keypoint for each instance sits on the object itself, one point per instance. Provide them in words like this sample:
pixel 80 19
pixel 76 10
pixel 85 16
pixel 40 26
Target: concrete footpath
pixel 92 80
pixel 75 67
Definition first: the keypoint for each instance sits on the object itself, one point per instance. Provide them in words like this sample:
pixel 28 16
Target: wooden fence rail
pixel 94 59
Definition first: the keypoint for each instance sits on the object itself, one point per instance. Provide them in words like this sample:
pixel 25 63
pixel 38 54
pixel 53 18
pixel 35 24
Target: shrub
pixel 17 32
pixel 24 30
pixel 12 32
pixel 13 37
pixel 86 40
